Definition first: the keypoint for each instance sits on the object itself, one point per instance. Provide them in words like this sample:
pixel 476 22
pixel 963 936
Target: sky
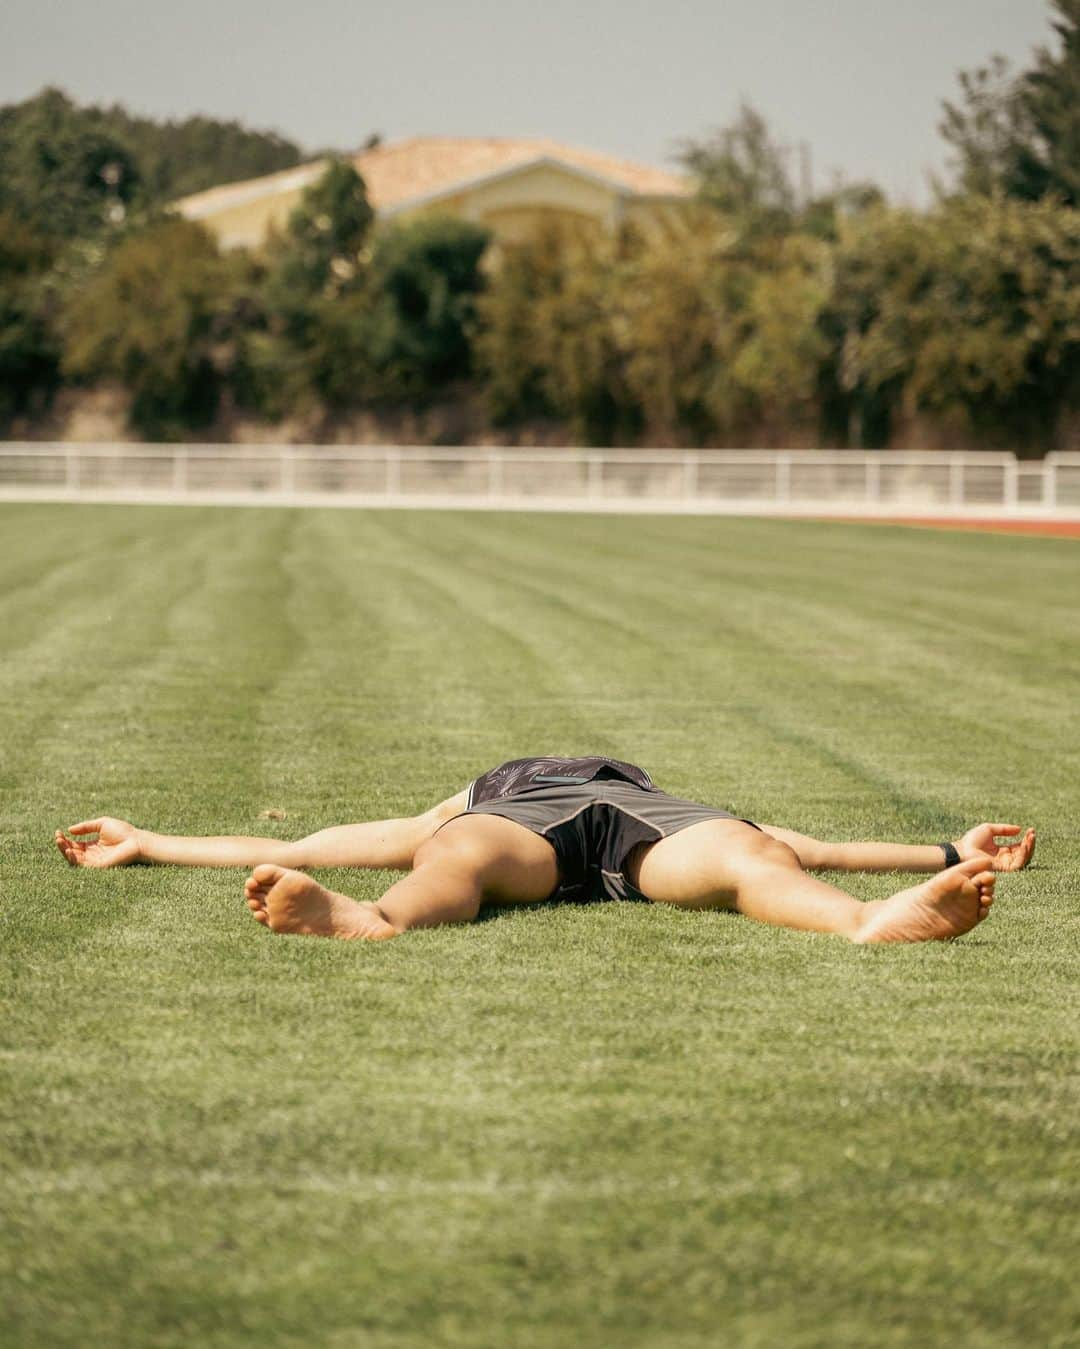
pixel 860 81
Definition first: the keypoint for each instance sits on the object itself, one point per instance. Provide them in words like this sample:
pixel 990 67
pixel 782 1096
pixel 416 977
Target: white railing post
pixel 873 479
pixel 594 475
pixel 1012 475
pixel 1049 486
pixel 393 471
pixel 495 473
pixel 288 470
pixel 689 477
pixel 782 481
pixel 956 480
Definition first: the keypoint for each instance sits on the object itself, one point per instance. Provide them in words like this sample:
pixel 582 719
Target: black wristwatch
pixel 952 857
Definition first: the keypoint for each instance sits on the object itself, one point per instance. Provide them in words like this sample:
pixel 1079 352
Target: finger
pixel 1020 854
pixel 1005 828
pixel 86 827
pixel 70 851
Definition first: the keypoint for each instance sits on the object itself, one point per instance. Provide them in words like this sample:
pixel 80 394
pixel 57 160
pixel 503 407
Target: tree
pixel 325 234
pixel 683 338
pixel 1048 160
pixel 823 215
pixel 970 313
pixel 986 129
pixel 29 350
pixel 61 173
pixel 178 158
pixel 315 299
pixel 425 279
pixel 548 342
pixel 161 316
pixel 743 172
pixel 1020 134
pixel 357 317
pixel 72 171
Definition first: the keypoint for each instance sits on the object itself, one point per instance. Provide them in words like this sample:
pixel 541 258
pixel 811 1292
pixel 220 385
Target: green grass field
pixel 613 1126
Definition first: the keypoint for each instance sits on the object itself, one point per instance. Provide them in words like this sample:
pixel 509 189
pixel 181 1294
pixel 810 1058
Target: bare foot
pixel 289 901
pixel 946 906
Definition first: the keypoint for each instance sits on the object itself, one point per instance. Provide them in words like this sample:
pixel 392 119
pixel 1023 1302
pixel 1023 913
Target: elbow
pixel 817 856
pixel 295 855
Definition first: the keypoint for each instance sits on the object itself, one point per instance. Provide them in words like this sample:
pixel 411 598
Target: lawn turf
pixel 610 1125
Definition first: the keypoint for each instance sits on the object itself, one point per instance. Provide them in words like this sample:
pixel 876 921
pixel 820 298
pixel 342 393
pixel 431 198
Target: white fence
pixel 737 481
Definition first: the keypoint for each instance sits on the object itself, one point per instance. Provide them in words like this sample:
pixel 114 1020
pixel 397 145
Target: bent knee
pixel 761 850
pixel 452 850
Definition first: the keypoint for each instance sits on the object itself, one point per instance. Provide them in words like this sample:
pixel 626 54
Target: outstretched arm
pixel 390 844
pixel 815 855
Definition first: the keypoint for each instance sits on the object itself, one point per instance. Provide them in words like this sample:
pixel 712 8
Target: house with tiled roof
pixel 508 185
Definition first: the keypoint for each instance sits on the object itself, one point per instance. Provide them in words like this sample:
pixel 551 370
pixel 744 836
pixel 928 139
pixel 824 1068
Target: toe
pixel 266 873
pixel 256 905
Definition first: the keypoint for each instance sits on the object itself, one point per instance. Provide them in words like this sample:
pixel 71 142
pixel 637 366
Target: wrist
pixel 143 845
pixel 951 853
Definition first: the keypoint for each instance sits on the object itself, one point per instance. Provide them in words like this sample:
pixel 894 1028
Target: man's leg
pixel 727 864
pixel 471 859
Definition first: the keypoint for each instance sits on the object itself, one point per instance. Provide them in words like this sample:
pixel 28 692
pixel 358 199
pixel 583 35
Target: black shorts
pixel 594 826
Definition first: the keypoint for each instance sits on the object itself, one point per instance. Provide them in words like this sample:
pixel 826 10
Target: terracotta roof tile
pixel 425 166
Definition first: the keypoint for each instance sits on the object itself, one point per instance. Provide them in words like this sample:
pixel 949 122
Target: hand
pixel 116 845
pixel 1003 856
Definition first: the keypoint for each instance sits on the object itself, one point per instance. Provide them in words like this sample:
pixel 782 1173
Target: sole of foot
pixel 291 903
pixel 941 909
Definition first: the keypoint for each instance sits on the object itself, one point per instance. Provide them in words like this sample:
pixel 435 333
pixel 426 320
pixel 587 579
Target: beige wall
pixel 249 225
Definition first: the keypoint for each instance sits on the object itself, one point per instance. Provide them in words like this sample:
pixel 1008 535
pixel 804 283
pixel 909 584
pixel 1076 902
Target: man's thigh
pixel 514 865
pixel 700 867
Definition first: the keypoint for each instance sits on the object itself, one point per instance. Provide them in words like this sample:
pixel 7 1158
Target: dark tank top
pixel 520 775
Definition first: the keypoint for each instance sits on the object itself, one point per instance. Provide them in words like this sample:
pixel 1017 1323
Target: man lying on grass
pixel 581 829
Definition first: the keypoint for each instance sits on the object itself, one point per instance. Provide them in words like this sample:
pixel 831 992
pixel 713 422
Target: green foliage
pixel 164 315
pixel 178 158
pixel 973 309
pixel 29 350
pixel 686 337
pixel 1048 162
pixel 548 342
pixel 1020 135
pixel 72 171
pixel 320 250
pixel 743 172
pixel 985 128
pixel 314 294
pixel 425 279
pixel 352 324
pixel 822 217
pixel 64 173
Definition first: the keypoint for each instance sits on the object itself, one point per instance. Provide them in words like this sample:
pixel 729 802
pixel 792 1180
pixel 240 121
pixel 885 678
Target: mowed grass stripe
pixel 106 625
pixel 855 669
pixel 611 1125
